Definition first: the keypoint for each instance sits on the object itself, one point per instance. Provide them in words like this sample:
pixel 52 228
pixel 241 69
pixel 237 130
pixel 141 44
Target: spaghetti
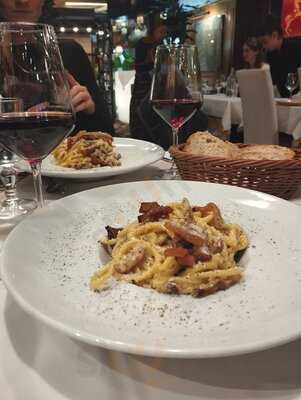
pixel 87 150
pixel 175 249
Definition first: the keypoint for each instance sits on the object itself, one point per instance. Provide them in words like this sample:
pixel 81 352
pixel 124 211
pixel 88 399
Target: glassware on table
pixel 31 70
pixel 206 87
pixel 232 85
pixel 291 83
pixel 176 92
pixel 223 81
pixel 218 86
pixel 12 209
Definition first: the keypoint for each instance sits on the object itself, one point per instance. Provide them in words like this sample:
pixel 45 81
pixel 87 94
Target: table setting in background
pixel 124 280
pixel 229 109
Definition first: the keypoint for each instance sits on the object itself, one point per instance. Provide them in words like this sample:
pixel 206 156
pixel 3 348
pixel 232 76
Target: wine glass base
pixel 171 174
pixel 14 212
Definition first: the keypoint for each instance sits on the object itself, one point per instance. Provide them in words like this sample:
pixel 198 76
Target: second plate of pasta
pixel 134 154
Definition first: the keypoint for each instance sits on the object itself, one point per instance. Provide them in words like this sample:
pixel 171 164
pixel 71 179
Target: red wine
pixel 176 112
pixel 33 135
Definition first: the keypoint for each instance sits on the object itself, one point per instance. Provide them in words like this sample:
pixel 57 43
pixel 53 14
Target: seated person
pixel 88 100
pixel 144 64
pixel 283 54
pixel 253 55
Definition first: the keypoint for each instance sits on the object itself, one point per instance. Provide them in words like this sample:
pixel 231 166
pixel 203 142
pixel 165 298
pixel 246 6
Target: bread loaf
pixel 207 145
pixel 266 152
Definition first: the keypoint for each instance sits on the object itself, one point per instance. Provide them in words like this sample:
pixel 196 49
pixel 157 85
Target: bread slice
pixel 265 152
pixel 205 144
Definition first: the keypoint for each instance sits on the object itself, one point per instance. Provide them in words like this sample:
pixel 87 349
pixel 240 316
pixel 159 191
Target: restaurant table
pixel 229 109
pixel 36 362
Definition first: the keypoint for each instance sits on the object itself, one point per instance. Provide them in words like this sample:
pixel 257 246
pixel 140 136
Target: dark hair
pixel 255 45
pixel 271 24
pixel 155 21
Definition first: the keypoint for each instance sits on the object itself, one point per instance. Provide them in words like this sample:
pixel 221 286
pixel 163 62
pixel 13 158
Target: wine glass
pixel 291 83
pixel 176 92
pixel 12 209
pixel 31 70
pixel 223 81
pixel 218 86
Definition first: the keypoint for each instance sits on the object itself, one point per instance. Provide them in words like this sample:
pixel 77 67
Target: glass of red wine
pixel 31 70
pixel 12 208
pixel 176 92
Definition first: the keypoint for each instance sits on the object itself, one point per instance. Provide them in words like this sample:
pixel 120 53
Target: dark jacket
pixel 77 63
pixel 155 130
pixel 283 61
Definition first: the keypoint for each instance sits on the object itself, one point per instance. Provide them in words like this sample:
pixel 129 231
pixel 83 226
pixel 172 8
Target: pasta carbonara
pixel 87 150
pixel 175 249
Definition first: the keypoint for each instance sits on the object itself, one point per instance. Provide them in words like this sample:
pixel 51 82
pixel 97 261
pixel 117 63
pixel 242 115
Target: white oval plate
pixel 135 154
pixel 49 258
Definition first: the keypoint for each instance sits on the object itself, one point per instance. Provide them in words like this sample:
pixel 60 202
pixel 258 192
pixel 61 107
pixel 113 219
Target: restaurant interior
pixel 150 194
pixel 109 32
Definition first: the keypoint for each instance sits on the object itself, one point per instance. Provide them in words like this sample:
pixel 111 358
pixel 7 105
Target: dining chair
pixel 258 106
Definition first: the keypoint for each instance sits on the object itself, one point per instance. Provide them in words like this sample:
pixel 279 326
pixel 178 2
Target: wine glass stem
pixel 173 171
pixel 175 136
pixel 9 182
pixel 37 181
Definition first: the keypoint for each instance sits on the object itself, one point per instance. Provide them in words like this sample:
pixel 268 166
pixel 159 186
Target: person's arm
pixel 277 74
pixel 78 65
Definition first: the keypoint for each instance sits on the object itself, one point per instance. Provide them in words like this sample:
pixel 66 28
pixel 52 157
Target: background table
pixel 229 109
pixel 39 363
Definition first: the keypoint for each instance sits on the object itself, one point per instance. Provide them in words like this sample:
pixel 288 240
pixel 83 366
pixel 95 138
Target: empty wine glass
pixel 223 81
pixel 291 83
pixel 12 209
pixel 176 89
pixel 218 86
pixel 32 71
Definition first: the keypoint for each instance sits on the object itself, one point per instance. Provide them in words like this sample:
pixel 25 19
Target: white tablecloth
pixel 39 363
pixel 229 109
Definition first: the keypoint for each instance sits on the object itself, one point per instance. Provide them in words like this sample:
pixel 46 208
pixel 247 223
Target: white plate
pixel 49 258
pixel 135 154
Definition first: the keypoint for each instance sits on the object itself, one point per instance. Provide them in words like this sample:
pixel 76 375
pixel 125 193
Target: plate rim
pixel 121 346
pixel 93 173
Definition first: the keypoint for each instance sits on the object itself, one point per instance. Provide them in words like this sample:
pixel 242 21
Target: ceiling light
pixel 84 4
pixel 75 29
pixel 89 29
pixel 62 29
pixel 101 33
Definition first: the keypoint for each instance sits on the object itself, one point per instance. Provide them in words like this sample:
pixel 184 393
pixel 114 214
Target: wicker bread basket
pixel 279 178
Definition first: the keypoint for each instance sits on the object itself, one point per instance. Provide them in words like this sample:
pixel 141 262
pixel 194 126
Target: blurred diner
pixel 283 53
pixel 144 121
pixel 253 55
pixel 87 98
